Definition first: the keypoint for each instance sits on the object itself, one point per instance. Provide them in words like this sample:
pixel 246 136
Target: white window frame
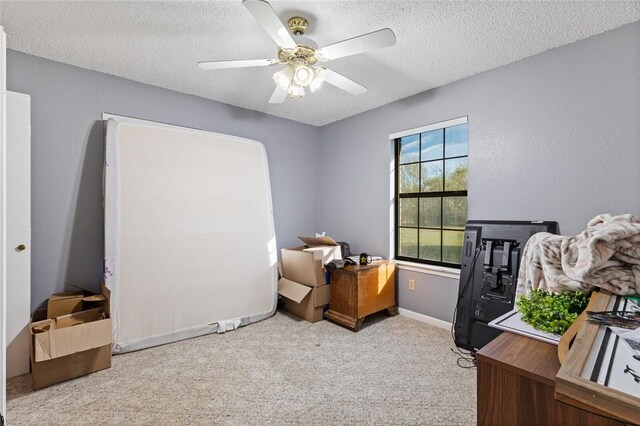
pixel 438 270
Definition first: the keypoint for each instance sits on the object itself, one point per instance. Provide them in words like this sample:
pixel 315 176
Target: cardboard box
pixel 303 267
pixel 58 370
pixel 60 304
pixel 71 345
pixel 64 303
pixel 303 301
pixel 329 248
pixel 305 264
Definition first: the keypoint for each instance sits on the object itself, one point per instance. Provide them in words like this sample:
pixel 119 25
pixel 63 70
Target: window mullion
pixel 397 189
pixel 419 191
pixel 444 175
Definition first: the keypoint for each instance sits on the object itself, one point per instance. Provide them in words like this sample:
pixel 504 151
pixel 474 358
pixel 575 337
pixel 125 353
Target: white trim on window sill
pixel 422 268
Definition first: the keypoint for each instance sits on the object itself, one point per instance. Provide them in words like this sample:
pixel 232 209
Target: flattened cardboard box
pixel 64 303
pixel 72 345
pixel 318 241
pixel 75 301
pixel 303 301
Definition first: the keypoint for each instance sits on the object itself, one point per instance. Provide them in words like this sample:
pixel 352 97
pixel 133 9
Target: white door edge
pixel 3 261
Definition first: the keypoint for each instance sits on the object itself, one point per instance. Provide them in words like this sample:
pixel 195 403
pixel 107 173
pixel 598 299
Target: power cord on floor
pixel 466 359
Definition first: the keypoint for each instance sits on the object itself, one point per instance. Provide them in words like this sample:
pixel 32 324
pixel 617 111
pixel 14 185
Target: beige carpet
pixel 279 371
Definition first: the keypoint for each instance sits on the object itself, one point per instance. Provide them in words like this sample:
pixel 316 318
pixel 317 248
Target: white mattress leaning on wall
pixel 189 233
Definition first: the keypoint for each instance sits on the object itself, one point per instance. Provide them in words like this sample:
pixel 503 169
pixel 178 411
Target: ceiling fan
pixel 300 59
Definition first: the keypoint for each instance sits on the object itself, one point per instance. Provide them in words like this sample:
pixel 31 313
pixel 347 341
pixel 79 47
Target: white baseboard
pixel 425 318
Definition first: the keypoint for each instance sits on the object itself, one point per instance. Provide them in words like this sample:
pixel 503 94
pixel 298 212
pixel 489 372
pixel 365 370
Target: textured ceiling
pixel 438 42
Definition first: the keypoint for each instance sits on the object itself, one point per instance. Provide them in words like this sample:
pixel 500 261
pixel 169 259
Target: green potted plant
pixel 552 312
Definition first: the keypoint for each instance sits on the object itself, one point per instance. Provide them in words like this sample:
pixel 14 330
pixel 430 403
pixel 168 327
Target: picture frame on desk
pixel 575 383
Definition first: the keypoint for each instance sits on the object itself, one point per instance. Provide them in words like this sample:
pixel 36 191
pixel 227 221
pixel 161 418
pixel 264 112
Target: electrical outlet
pixel 412 285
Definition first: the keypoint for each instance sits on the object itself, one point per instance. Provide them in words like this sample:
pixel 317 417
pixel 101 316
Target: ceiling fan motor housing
pixel 302 52
pixel 298 25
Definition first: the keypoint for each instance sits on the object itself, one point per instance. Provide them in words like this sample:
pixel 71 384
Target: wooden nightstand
pixel 358 291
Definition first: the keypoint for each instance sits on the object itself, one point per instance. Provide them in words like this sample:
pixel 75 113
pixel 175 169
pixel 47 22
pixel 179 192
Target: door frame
pixel 3 238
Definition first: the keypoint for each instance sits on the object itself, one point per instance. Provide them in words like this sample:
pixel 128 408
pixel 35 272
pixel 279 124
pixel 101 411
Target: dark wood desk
pixel 361 290
pixel 516 386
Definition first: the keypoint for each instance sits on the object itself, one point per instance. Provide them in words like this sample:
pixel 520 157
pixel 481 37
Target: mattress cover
pixel 190 243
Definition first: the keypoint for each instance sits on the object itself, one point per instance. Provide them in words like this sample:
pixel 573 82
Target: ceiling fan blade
pixel 342 82
pixel 353 46
pixel 278 96
pixel 267 18
pixel 219 65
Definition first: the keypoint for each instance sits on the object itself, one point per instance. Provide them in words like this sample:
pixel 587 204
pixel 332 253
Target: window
pixel 431 193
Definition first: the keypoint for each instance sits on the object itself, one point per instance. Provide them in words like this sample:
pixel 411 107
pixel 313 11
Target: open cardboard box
pixel 73 343
pixel 305 264
pixel 303 301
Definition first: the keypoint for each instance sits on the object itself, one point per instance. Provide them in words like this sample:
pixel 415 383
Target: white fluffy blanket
pixel 605 255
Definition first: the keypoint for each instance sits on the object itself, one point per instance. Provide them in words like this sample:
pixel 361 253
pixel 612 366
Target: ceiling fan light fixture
pixel 317 80
pixel 295 90
pixel 303 74
pixel 283 77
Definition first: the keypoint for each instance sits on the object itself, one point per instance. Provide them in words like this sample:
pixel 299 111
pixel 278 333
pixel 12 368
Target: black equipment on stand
pixel 488 276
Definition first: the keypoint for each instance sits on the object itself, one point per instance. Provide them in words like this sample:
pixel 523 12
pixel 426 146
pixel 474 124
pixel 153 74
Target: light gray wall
pixel 434 295
pixel 67 157
pixel 554 137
